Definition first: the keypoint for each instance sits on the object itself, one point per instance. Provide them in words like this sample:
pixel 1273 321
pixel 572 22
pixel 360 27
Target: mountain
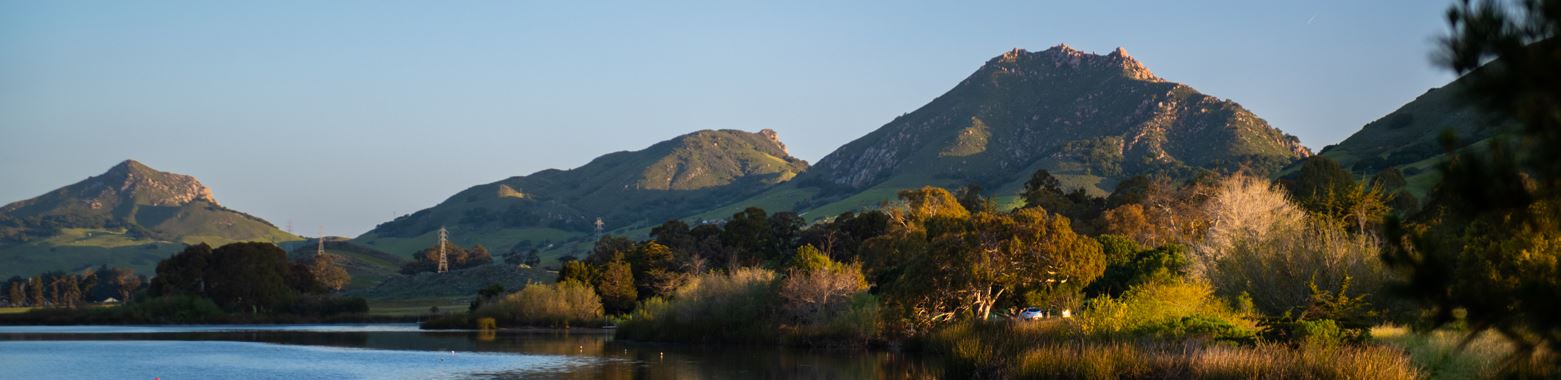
pixel 131 215
pixel 1090 119
pixel 1409 138
pixel 626 190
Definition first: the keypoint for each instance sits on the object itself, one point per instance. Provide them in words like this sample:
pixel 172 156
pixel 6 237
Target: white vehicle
pixel 1030 314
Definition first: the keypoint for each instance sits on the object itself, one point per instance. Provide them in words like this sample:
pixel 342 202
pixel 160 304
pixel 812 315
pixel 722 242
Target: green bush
pixel 1200 326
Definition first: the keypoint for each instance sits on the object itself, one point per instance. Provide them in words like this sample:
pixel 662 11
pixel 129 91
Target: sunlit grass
pixel 1437 353
pixel 1053 350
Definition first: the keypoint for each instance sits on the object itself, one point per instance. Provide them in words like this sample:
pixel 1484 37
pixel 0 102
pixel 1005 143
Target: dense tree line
pixel 61 289
pixel 247 277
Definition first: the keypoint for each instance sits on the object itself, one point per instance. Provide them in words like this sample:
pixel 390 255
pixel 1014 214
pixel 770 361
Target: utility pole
pixel 444 263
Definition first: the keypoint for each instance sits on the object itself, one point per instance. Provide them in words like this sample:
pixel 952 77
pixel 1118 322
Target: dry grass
pixel 1049 350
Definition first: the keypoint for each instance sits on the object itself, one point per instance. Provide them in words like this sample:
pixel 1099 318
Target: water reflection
pixel 609 359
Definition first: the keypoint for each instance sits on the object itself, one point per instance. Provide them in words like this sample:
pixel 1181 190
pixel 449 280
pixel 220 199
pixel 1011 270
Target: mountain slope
pixel 131 215
pixel 627 190
pixel 1090 119
pixel 1409 138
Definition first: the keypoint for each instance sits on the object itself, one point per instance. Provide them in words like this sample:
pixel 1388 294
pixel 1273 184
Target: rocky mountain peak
pixel 1066 57
pixel 774 137
pixel 138 181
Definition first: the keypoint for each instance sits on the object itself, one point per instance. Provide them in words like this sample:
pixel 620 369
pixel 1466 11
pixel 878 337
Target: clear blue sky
pixel 344 114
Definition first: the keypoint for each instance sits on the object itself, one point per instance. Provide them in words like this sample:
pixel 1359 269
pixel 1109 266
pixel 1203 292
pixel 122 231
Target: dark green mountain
pixel 1090 119
pixel 1409 138
pixel 131 215
pixel 626 190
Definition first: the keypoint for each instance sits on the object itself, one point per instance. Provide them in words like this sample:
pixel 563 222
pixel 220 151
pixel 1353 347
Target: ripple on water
pixel 172 360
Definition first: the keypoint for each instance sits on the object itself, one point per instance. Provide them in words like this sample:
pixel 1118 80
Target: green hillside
pixel 1409 138
pixel 626 190
pixel 131 216
pixel 368 266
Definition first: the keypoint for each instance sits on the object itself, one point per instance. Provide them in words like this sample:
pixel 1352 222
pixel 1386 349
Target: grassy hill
pixel 131 216
pixel 626 190
pixel 1409 138
pixel 368 266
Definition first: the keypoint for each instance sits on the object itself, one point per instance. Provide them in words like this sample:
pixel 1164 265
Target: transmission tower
pixel 444 262
pixel 599 225
pixel 320 252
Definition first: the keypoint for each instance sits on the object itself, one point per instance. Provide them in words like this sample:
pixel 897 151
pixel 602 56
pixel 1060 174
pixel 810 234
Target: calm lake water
pixel 401 351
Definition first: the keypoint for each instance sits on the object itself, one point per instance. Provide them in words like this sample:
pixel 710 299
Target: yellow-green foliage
pixel 487 323
pixel 1165 306
pixel 554 305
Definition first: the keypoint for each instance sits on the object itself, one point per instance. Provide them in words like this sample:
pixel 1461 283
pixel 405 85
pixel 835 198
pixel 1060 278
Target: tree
pixel 1244 208
pixel 576 270
pixel 249 277
pixel 1045 191
pixel 1486 244
pixel 607 248
pixel 17 290
pixel 750 237
pixel 675 235
pixel 1129 220
pixel 532 259
pixel 816 289
pixel 971 198
pixel 616 287
pixel 810 259
pixel 126 282
pixel 331 276
pixel 955 264
pixel 35 292
pixel 183 273
pixel 654 271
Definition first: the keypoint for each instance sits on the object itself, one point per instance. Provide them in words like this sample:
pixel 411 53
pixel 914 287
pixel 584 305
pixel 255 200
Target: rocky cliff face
pixel 1064 110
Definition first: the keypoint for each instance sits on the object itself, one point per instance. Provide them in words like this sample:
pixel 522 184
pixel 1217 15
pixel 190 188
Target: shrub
pixel 173 309
pixel 447 322
pixel 714 307
pixel 563 304
pixel 1163 307
pixel 328 305
pixel 1277 271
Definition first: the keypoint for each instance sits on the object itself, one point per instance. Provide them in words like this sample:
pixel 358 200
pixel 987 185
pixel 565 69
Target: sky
pixel 336 116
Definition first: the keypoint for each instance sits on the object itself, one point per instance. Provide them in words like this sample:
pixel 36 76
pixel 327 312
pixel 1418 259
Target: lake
pixel 401 351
